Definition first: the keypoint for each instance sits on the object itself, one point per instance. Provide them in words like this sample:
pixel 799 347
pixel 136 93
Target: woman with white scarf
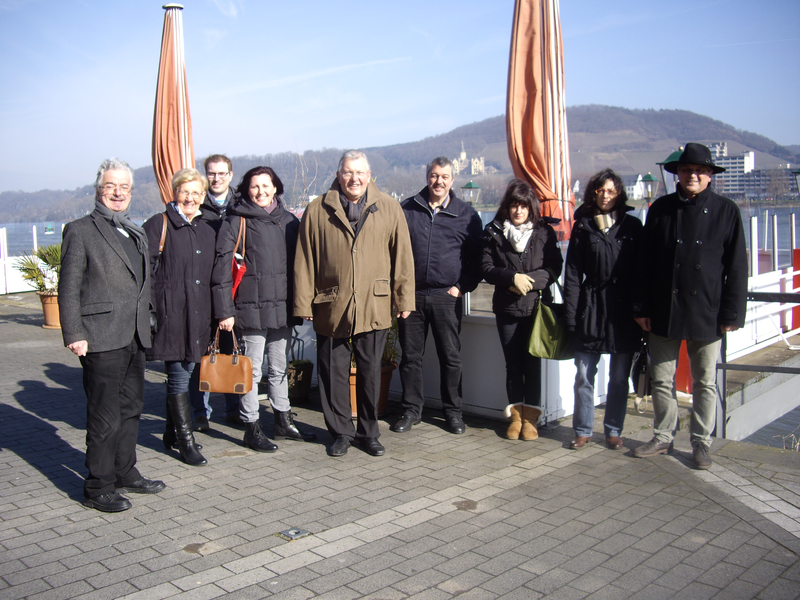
pixel 520 258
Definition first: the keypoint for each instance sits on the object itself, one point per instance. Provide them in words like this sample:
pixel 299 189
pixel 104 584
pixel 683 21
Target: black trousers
pixel 523 371
pixel 333 364
pixel 441 313
pixel 114 386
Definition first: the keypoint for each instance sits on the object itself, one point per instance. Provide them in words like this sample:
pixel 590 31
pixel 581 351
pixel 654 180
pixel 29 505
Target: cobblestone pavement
pixel 440 516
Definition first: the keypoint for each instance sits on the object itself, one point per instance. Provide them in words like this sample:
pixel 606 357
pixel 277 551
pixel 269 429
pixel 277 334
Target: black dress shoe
pixel 142 486
pixel 405 423
pixel 456 425
pixel 201 424
pixel 108 502
pixel 339 447
pixel 372 447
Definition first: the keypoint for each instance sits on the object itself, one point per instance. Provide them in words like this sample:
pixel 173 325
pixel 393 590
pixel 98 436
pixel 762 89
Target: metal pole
pixel 775 242
pixel 35 244
pixel 753 246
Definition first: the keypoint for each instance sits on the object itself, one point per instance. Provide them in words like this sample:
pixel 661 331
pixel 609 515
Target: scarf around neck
pixel 518 236
pixel 121 220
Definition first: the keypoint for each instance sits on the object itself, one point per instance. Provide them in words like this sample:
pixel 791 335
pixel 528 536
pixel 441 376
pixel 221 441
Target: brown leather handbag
pixel 226 373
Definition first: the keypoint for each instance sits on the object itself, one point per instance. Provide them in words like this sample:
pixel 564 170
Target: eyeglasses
pixel 218 175
pixel 602 192
pixel 348 175
pixel 192 195
pixel 110 188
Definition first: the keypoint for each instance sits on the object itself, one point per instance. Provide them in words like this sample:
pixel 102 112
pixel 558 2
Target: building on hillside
pixel 462 164
pixel 732 181
pixel 634 186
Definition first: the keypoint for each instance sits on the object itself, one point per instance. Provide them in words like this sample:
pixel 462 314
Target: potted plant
pixel 42 269
pixel 391 354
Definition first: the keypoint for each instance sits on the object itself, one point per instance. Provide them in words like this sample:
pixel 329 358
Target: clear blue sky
pixel 79 76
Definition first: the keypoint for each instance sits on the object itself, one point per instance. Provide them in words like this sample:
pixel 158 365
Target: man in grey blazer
pixel 104 300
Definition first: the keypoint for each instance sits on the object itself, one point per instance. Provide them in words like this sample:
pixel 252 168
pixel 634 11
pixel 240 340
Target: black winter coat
pixel 541 261
pixel 181 291
pixel 598 280
pixel 214 213
pixel 692 271
pixel 446 245
pixel 265 296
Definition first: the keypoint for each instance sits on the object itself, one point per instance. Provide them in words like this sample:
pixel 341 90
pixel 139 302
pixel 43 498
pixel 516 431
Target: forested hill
pixel 629 141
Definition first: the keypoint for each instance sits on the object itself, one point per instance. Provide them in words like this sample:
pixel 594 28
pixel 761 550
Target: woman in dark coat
pixel 181 296
pixel 598 281
pixel 520 258
pixel 261 309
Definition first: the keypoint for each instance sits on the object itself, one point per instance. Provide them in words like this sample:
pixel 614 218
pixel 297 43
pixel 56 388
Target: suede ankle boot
pixel 530 416
pixel 514 414
pixel 181 411
pixel 285 428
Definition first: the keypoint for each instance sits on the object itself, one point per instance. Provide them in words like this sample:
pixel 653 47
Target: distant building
pixel 634 186
pixel 464 165
pixel 732 181
pixel 770 183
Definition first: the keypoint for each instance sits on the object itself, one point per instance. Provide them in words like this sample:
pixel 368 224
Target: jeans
pixel 523 371
pixel 616 398
pixel 442 314
pixel 703 362
pixel 276 342
pixel 184 376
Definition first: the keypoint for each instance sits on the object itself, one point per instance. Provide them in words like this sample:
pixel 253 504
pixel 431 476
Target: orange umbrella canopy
pixel 172 122
pixel 536 115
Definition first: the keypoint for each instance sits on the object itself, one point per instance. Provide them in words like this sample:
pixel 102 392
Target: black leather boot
pixel 255 439
pixel 181 410
pixel 170 440
pixel 285 429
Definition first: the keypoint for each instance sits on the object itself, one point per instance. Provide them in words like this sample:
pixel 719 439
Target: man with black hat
pixel 692 287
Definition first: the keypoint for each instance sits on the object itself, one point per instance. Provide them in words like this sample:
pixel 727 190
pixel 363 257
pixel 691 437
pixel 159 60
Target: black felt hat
pixel 694 154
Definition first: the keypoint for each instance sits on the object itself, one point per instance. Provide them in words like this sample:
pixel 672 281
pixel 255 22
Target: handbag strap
pixel 214 347
pixel 242 237
pixel 163 234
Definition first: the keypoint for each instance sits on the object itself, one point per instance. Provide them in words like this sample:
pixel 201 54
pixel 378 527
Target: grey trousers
pixel 703 357
pixel 276 341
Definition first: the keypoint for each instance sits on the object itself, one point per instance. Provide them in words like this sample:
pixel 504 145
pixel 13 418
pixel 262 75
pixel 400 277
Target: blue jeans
pixel 276 343
pixel 182 377
pixel 663 363
pixel 616 398
pixel 442 314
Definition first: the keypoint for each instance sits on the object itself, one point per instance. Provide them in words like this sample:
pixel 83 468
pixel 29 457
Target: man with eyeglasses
pixel 692 286
pixel 104 302
pixel 445 238
pixel 353 271
pixel 219 197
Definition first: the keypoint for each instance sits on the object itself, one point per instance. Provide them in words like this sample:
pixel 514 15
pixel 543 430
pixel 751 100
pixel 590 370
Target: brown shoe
pixel 613 442
pixel 579 442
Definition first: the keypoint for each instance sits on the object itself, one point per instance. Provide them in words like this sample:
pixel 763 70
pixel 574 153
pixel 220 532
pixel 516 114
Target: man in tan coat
pixel 353 270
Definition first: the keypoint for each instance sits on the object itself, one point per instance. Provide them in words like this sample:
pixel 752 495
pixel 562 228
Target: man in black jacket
pixel 445 239
pixel 104 301
pixel 219 198
pixel 692 286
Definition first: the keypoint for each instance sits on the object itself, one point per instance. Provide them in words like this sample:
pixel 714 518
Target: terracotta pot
pixel 299 377
pixel 383 399
pixel 52 319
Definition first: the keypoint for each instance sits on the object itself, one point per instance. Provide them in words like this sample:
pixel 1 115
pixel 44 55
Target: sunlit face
pixel 189 196
pixel 353 178
pixel 115 190
pixel 261 190
pixel 219 178
pixel 694 178
pixel 606 196
pixel 440 180
pixel 518 214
